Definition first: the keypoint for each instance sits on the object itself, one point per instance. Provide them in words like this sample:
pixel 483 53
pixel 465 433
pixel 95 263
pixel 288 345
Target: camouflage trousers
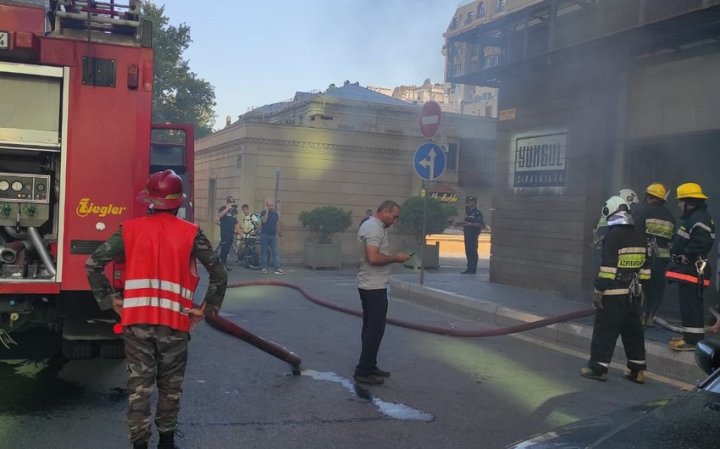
pixel 156 355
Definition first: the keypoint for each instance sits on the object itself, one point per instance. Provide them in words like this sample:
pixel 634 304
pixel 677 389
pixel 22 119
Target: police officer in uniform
pixel 156 305
pixel 617 295
pixel 689 266
pixel 472 226
pixel 659 225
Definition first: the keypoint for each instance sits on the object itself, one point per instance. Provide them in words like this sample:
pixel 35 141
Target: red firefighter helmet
pixel 164 191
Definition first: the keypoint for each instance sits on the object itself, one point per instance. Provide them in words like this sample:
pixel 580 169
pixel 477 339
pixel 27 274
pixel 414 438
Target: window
pixel 451 156
pixel 500 6
pixel 480 10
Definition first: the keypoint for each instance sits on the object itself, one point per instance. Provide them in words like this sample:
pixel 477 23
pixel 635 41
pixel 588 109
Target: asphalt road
pixel 444 392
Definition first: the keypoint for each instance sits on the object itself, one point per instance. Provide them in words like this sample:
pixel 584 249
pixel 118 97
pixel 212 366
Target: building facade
pixel 347 147
pixel 593 97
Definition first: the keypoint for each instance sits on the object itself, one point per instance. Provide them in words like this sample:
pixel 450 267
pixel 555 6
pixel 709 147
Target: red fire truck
pixel 75 149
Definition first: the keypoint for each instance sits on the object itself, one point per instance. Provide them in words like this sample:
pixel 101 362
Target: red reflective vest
pixel 160 271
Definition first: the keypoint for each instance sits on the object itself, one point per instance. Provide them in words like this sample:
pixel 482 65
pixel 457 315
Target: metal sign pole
pixel 277 187
pixel 424 230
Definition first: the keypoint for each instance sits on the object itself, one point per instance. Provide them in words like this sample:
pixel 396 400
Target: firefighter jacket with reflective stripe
pixel 623 260
pixel 160 272
pixel 694 240
pixel 659 225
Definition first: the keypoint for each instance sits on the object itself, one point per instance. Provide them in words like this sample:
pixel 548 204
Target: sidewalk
pixel 474 297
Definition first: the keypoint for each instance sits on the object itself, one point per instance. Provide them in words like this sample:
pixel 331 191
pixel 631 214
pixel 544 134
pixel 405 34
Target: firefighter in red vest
pixel 689 266
pixel 156 305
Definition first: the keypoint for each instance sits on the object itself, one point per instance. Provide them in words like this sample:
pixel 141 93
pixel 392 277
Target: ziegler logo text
pixel 86 207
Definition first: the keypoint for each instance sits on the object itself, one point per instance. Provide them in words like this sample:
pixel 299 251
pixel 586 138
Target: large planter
pixel 431 257
pixel 322 255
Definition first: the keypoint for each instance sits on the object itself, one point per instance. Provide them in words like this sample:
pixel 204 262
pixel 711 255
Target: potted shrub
pixel 321 250
pixel 411 221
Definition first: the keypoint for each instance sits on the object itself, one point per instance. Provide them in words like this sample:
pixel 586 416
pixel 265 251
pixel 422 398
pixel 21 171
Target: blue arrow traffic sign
pixel 429 161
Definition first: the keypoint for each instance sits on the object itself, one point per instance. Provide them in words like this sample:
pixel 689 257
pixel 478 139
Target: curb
pixel 660 359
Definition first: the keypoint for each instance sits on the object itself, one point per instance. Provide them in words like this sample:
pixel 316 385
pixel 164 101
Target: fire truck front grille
pixel 84 246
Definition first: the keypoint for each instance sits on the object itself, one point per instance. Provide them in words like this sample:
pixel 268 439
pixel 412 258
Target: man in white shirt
pixel 373 276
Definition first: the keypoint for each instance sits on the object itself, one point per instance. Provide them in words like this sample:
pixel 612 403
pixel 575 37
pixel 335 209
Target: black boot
pixel 167 441
pixel 140 445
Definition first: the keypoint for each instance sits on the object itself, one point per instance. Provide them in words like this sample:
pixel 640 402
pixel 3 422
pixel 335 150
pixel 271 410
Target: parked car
pixel 691 421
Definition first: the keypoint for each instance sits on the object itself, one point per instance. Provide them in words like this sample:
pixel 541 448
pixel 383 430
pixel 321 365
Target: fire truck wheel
pixel 78 349
pixel 112 349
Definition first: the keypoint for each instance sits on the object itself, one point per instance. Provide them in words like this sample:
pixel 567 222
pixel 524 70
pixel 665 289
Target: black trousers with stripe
pixel 619 317
pixel 691 312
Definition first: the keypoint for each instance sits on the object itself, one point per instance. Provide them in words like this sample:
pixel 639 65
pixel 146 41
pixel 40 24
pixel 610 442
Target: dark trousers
pixel 225 250
pixel 374 306
pixel 619 317
pixel 691 312
pixel 156 355
pixel 654 287
pixel 471 252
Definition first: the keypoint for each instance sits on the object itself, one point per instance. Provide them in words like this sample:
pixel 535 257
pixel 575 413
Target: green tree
pixel 438 217
pixel 179 95
pixel 326 221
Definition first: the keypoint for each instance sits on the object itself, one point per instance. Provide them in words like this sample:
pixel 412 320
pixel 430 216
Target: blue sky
pixel 257 52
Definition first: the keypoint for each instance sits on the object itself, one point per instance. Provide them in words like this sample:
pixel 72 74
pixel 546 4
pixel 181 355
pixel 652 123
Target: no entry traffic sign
pixel 430 119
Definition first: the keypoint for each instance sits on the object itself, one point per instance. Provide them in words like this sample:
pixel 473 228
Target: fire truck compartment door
pixel 31 106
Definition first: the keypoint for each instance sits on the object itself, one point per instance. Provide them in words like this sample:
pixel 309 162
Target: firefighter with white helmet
pixel 689 266
pixel 629 196
pixel 600 231
pixel 658 224
pixel 156 305
pixel 617 295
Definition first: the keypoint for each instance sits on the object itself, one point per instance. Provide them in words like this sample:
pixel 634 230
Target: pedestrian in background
pixel 689 266
pixel 246 231
pixel 156 306
pixel 269 233
pixel 617 296
pixel 373 276
pixel 658 224
pixel 472 226
pixel 368 214
pixel 227 217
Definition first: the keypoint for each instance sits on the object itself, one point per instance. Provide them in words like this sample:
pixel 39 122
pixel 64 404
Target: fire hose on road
pixel 715 328
pixel 285 355
pixel 423 327
pixel 268 346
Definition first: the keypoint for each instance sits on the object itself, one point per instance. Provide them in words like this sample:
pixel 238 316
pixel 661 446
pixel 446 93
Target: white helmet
pixel 613 205
pixel 629 196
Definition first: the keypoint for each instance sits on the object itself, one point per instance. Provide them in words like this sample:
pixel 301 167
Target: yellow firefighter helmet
pixel 657 190
pixel 690 190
